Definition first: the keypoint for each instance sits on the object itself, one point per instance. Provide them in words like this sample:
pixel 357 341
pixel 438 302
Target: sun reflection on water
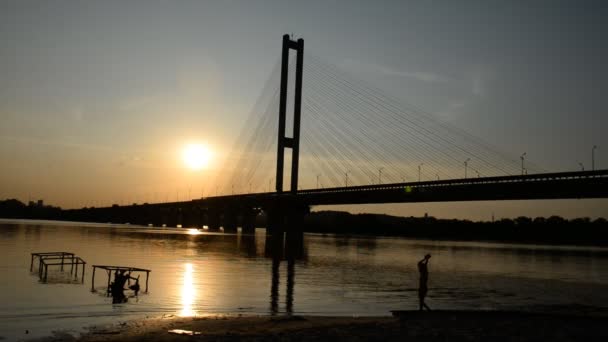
pixel 193 231
pixel 188 294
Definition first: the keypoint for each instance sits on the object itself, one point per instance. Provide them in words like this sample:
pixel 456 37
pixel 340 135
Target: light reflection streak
pixel 194 231
pixel 188 293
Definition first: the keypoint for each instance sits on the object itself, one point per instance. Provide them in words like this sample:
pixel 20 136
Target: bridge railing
pixel 541 177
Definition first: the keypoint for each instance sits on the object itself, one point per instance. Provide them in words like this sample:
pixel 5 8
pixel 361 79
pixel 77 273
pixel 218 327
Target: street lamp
pixel 522 163
pixel 380 175
pixel 419 170
pixel 466 163
pixel 318 180
pixel 346 179
pixel 593 158
pixel 582 166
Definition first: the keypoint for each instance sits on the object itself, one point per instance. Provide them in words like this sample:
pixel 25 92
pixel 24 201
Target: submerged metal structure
pixel 62 259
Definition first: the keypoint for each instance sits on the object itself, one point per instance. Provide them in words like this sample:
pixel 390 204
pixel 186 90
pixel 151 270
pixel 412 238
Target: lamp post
pixel 346 179
pixel 522 163
pixel 466 164
pixel 318 180
pixel 380 175
pixel 419 170
pixel 593 158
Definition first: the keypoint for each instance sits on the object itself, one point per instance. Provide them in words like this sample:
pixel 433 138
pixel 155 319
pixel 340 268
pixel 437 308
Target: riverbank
pixel 412 325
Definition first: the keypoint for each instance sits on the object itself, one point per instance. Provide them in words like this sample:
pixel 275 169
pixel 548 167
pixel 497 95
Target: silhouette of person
pixel 118 294
pixel 424 278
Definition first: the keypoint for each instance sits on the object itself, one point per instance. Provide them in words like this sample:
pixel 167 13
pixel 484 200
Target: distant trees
pixel 13 208
pixel 554 229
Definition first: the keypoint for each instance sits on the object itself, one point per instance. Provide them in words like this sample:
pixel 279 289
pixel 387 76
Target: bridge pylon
pixel 294 141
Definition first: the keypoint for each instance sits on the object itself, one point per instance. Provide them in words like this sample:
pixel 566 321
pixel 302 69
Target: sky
pixel 99 98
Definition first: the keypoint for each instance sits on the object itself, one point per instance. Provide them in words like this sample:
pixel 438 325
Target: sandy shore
pixel 411 326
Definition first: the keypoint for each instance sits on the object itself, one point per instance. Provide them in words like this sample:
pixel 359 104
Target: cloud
pixel 481 78
pixel 424 76
pixel 56 143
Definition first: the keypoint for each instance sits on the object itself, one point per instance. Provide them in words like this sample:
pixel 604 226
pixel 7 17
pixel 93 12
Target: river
pixel 204 273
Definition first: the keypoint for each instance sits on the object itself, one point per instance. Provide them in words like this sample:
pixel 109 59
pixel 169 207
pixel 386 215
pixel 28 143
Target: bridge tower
pixel 294 141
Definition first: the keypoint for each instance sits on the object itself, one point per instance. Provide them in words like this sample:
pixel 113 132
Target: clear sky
pixel 98 98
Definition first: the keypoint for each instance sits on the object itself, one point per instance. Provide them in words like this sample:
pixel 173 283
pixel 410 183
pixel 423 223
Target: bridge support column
pixel 179 217
pixel 141 215
pixel 157 217
pixel 294 141
pixel 248 221
pixel 172 217
pixel 229 221
pixel 275 221
pixel 213 219
pixel 186 213
pixel 194 217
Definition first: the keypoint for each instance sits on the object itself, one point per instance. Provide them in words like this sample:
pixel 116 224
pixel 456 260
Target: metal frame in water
pixel 67 258
pixel 109 270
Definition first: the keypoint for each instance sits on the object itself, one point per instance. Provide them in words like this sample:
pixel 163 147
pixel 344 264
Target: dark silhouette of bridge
pixel 284 210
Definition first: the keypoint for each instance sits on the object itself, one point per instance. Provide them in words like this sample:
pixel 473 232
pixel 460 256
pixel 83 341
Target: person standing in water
pixel 424 278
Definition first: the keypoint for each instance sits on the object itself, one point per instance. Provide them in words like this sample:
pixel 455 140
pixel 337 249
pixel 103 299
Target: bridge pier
pixel 285 217
pixel 229 221
pixel 275 221
pixel 190 217
pixel 248 221
pixel 213 219
pixel 145 215
pixel 172 217
pixel 164 216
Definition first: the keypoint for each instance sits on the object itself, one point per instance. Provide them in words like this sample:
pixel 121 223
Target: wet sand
pixel 411 326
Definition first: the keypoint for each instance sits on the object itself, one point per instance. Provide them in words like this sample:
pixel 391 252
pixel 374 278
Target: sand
pixel 411 326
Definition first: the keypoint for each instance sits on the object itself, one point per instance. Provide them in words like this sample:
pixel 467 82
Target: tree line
pixel 551 230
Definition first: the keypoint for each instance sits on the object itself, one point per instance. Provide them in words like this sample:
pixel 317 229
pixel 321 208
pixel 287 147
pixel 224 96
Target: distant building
pixel 38 204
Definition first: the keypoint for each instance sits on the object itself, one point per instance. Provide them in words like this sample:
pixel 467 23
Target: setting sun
pixel 196 156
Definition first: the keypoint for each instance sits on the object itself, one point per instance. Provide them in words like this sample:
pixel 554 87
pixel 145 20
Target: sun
pixel 196 156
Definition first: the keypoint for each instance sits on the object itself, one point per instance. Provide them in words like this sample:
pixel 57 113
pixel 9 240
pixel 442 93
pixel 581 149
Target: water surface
pixel 197 273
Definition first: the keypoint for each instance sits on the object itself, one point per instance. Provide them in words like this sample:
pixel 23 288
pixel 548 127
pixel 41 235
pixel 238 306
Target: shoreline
pixel 592 246
pixel 414 325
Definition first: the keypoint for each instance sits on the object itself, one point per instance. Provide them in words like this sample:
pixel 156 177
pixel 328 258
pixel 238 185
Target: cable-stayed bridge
pixel 346 142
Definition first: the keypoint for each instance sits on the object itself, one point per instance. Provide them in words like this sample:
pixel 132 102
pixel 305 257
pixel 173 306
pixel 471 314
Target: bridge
pixel 353 145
